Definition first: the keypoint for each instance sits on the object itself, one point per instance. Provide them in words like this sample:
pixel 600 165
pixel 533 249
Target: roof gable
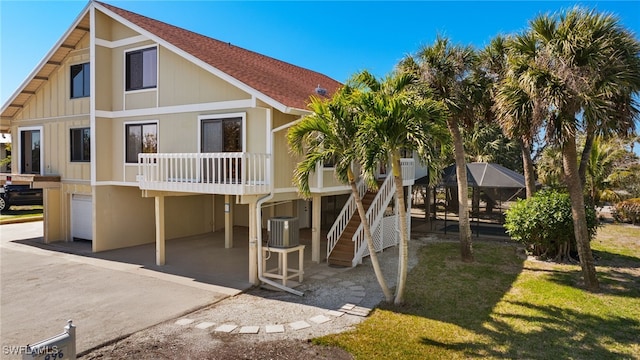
pixel 51 61
pixel 289 85
pixel 270 80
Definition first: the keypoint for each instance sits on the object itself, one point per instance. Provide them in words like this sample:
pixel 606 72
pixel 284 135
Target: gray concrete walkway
pixel 42 289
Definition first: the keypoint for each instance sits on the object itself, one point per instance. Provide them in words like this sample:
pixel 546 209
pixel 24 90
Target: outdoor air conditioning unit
pixel 283 232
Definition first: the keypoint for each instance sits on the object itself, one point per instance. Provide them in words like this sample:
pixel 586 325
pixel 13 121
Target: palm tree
pixel 607 162
pixel 397 114
pixel 519 112
pixel 488 143
pixel 328 135
pixel 549 164
pixel 591 64
pixel 449 71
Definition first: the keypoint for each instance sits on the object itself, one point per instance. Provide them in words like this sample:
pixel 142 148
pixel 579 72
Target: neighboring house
pixel 139 131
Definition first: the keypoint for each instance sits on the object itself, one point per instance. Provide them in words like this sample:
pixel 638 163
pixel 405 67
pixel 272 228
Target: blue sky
pixel 334 38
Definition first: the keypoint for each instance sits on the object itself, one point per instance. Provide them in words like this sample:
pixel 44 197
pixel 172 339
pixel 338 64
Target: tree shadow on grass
pixel 565 333
pixel 467 296
pixel 605 258
pixel 618 274
pixel 613 281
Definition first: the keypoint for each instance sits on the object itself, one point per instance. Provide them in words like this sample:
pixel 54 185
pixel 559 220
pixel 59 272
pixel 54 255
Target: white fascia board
pixel 46 58
pixel 175 109
pixel 296 111
pixel 213 70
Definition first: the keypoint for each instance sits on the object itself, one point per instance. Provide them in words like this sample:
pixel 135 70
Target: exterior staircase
pixel 344 250
pixel 346 244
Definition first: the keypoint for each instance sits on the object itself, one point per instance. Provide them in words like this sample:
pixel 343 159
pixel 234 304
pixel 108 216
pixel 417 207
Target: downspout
pixel 264 199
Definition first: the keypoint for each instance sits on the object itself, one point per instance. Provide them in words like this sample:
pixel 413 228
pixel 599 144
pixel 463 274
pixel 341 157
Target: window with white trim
pixel 141 69
pixel 80 145
pixel 79 80
pixel 140 138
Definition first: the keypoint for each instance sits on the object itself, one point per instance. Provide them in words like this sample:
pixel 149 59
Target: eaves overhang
pixel 50 63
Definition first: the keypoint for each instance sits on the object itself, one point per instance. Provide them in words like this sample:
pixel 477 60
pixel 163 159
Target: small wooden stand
pixel 283 272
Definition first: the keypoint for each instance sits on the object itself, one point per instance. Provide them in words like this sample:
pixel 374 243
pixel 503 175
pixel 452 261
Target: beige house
pixel 139 131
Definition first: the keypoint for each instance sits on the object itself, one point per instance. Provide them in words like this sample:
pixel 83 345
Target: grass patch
pixel 21 213
pixel 503 306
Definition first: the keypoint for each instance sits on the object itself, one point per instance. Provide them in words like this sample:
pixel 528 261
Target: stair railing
pixel 375 213
pixel 343 218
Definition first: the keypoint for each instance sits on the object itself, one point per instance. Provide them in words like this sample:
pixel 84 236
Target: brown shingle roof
pixel 288 84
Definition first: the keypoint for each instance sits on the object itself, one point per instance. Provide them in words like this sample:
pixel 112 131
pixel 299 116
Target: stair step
pixel 344 252
pixel 343 249
pixel 342 263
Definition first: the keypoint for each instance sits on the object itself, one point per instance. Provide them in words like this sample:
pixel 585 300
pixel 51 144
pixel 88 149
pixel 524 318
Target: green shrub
pixel 544 224
pixel 628 211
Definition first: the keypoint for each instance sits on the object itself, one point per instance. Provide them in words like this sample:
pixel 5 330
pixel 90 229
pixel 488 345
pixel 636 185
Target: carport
pixel 201 258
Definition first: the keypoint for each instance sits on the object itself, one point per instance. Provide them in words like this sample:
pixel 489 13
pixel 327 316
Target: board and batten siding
pixel 53 98
pixel 53 109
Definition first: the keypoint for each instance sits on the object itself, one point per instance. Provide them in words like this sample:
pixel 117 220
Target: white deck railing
pixel 231 173
pixel 408 171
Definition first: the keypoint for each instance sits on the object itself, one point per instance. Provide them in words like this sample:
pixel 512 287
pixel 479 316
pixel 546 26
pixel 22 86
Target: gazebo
pixel 492 184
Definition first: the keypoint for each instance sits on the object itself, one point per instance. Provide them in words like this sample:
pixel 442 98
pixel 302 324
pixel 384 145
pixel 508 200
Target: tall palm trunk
pixel 572 179
pixel 403 256
pixel 584 159
pixel 466 248
pixel 529 172
pixel 367 235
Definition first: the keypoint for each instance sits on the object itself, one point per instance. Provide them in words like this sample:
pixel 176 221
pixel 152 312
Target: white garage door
pixel 81 217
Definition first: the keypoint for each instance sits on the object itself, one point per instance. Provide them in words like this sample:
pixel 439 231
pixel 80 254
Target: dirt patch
pixel 226 347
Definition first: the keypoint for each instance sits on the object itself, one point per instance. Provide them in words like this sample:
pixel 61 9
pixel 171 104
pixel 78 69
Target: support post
pixel 253 244
pixel 160 237
pixel 228 222
pixel 213 213
pixel 316 211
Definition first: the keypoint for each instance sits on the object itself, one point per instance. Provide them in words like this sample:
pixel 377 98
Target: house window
pixel 142 69
pixel 80 145
pixel 30 145
pixel 79 80
pixel 406 153
pixel 222 135
pixel 329 163
pixel 141 138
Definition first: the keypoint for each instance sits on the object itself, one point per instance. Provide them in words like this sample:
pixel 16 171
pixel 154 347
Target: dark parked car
pixel 19 195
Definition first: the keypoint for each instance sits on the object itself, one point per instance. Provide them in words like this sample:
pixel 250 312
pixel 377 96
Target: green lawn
pixel 503 306
pixel 21 213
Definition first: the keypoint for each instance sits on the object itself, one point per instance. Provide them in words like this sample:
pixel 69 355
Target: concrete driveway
pixel 42 289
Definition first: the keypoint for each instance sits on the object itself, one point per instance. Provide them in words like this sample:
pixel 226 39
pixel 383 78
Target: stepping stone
pixel 357 288
pixel 346 283
pixel 298 325
pixel 335 313
pixel 320 319
pixel 184 321
pixel 359 311
pixel 358 293
pixel 227 328
pixel 270 329
pixel 249 329
pixel 205 325
pixel 347 307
